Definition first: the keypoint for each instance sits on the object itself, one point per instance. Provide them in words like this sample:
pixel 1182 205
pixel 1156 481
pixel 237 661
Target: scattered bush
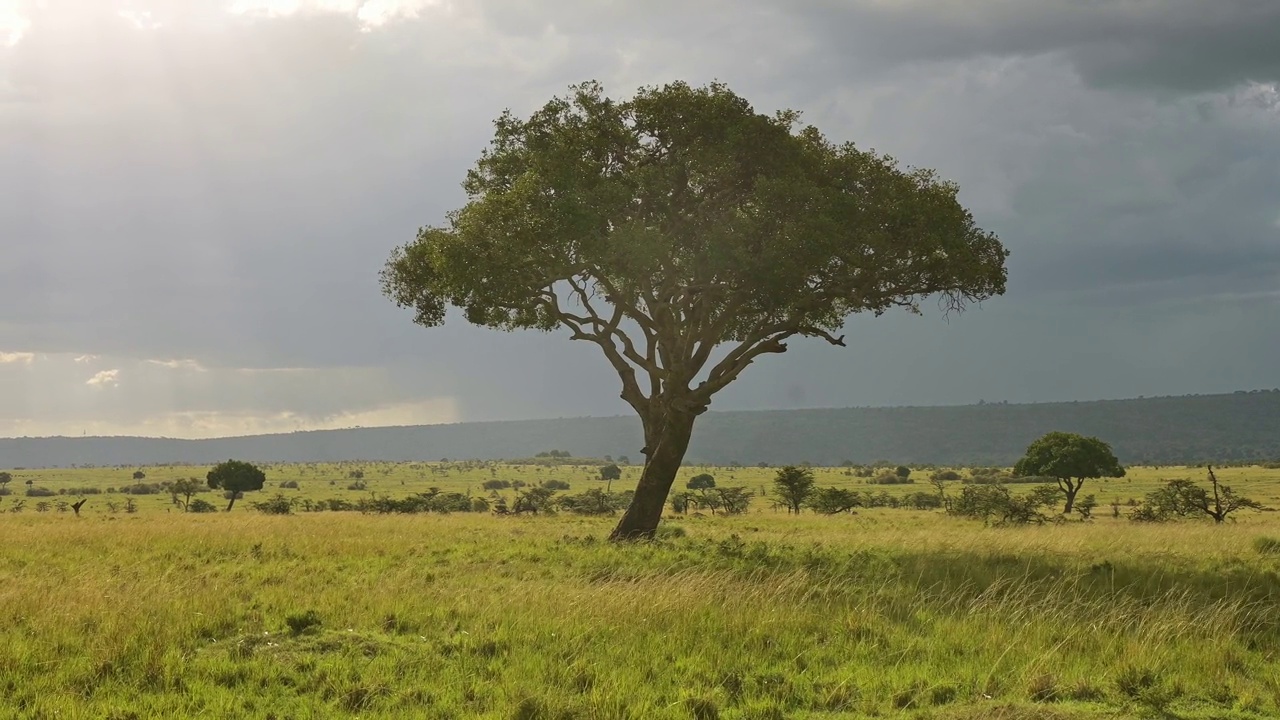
pixel 289 484
pixel 555 484
pixel 831 500
pixel 35 491
pixel 143 489
pixel 199 506
pixel 358 485
pixel 496 484
pixel 889 478
pixel 703 481
pixel 278 505
pixel 996 503
pixel 80 491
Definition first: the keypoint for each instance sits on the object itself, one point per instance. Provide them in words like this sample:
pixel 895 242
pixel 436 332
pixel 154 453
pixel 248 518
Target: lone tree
pixel 139 476
pixel 794 485
pixel 236 477
pixel 703 481
pixel 5 479
pixel 1070 459
pixel 686 235
pixel 610 472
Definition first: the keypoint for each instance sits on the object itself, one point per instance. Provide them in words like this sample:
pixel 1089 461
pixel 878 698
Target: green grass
pixel 888 613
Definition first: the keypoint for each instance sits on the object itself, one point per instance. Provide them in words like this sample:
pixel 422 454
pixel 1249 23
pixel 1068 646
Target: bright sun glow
pixel 371 13
pixel 13 25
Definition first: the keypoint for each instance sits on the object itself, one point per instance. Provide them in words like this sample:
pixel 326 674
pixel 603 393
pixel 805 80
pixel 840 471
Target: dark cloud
pixel 226 189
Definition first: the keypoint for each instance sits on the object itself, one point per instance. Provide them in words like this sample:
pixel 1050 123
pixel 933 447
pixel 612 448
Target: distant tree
pixel 624 460
pixel 1070 459
pixel 793 484
pixel 831 500
pixel 356 475
pixel 902 471
pixel 611 472
pixel 1183 498
pixel 665 226
pixel 139 476
pixel 5 479
pixel 183 490
pixel 702 481
pixel 236 477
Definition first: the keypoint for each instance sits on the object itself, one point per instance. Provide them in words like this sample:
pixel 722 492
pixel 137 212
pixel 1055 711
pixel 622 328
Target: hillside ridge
pixel 1238 426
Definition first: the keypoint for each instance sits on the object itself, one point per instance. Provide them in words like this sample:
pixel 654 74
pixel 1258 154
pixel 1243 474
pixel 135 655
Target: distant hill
pixel 1167 430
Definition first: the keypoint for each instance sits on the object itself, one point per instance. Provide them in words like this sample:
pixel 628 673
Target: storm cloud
pixel 197 195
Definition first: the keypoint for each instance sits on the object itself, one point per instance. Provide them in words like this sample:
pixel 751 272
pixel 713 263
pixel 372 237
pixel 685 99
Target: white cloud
pixel 25 358
pixel 85 358
pixel 370 13
pixel 105 378
pixel 211 424
pixel 185 364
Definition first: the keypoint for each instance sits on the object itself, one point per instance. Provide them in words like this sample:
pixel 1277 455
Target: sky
pixel 196 197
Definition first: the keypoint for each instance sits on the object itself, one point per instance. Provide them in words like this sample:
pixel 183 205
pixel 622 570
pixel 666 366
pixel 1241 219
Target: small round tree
pixel 236 477
pixel 610 472
pixel 1070 459
pixel 705 481
pixel 794 485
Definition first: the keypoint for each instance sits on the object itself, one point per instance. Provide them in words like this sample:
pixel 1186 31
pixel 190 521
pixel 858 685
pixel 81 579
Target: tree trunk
pixel 666 440
pixel 1071 490
pixel 233 502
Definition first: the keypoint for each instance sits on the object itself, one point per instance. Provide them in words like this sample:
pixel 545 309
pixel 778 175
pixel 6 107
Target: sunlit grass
pixel 886 613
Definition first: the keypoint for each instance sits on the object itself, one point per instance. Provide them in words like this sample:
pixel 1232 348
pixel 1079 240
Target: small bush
pixel 34 491
pixel 555 485
pixel 200 506
pixel 357 485
pixel 289 484
pixel 278 505
pixel 5 491
pixel 889 478
pixel 83 491
pixel 496 484
pixel 143 489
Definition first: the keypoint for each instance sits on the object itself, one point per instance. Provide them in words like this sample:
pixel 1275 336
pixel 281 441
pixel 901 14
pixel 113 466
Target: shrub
pixel 555 484
pixel 82 491
pixel 996 503
pixel 889 478
pixel 496 484
pixel 5 491
pixel 289 484
pixel 831 500
pixel 357 485
pixel 35 491
pixel 198 505
pixel 143 489
pixel 278 505
pixel 703 481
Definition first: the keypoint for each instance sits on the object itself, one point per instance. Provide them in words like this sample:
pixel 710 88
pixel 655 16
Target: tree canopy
pixel 1070 459
pixel 235 477
pixel 666 226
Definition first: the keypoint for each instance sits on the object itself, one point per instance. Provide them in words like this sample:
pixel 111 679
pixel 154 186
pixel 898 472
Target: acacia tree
pixel 235 477
pixel 794 485
pixel 1070 459
pixel 686 235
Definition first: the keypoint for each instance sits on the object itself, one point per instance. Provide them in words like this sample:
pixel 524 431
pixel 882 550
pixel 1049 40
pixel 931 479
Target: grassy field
pixel 887 613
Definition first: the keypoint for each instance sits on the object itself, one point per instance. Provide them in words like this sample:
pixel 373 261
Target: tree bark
pixel 1071 489
pixel 233 502
pixel 666 439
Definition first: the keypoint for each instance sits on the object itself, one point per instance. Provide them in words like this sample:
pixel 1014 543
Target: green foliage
pixel 37 491
pixel 235 477
pixel 832 500
pixel 5 478
pixel 686 214
pixel 278 505
pixel 998 504
pixel 555 484
pixel 199 505
pixel 1183 498
pixel 595 501
pixel 902 471
pixel 793 485
pixel 891 478
pixel 1070 459
pixel 701 481
pixel 610 472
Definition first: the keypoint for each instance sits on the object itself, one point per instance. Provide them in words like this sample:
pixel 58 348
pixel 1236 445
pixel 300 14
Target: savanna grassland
pixel 885 613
